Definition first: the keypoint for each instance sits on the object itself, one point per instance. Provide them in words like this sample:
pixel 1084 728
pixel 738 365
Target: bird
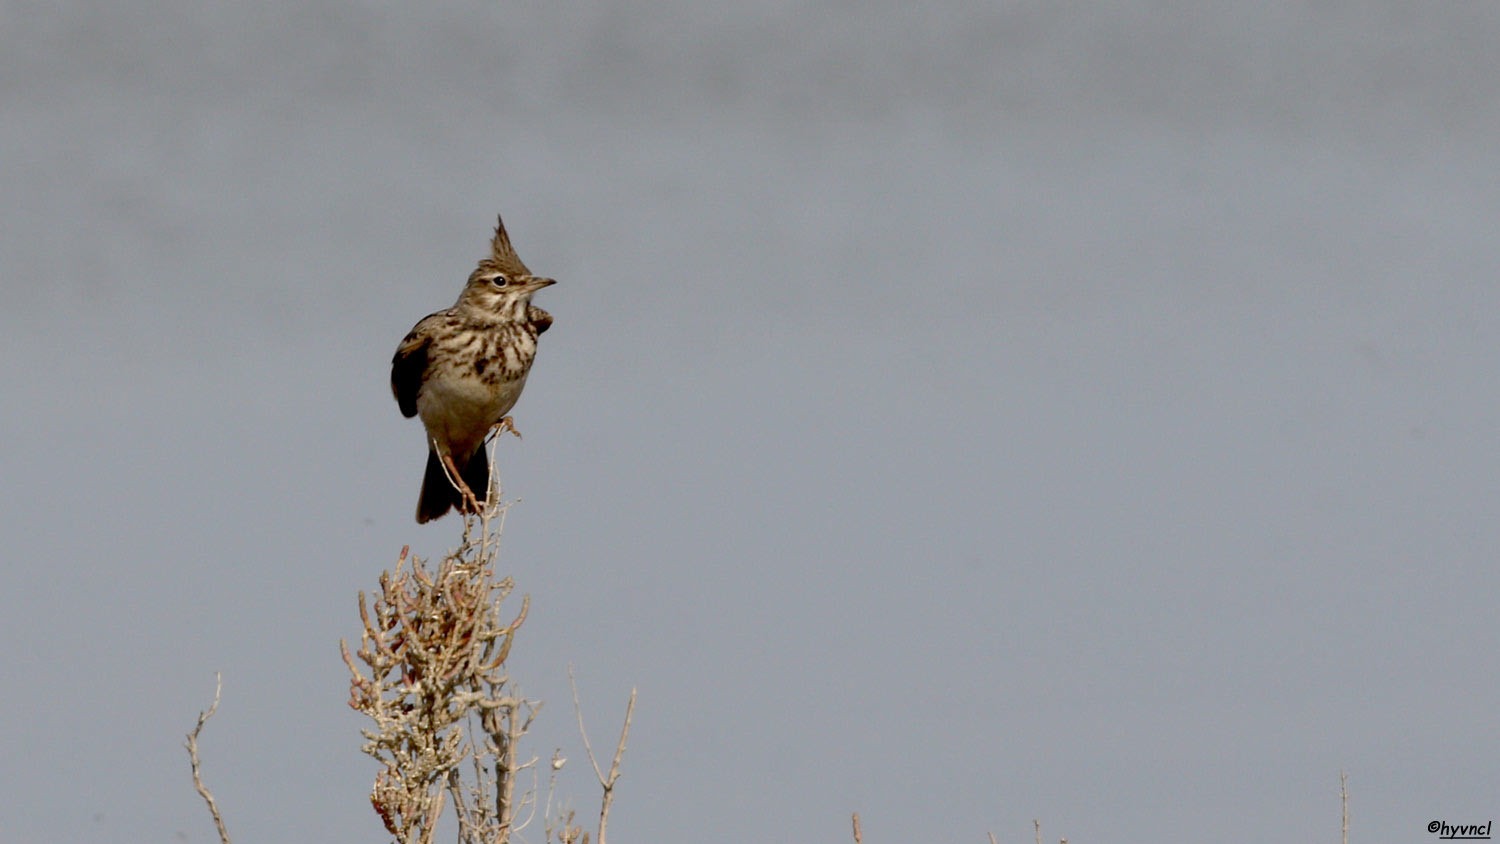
pixel 462 369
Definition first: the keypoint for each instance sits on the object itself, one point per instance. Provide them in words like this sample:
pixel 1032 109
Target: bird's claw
pixel 469 499
pixel 507 424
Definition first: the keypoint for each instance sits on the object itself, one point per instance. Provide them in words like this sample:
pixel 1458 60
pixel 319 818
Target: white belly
pixel 459 413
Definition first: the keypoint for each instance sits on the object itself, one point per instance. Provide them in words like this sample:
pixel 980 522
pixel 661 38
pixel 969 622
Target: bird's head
pixel 501 286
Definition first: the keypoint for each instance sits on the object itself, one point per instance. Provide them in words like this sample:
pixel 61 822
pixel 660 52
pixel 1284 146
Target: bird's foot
pixel 507 424
pixel 468 500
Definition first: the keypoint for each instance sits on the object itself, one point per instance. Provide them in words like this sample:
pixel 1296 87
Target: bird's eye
pixel 499 281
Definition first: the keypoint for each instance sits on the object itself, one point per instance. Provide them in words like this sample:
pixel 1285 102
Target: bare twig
pixel 192 748
pixel 605 782
pixel 578 710
pixel 859 838
pixel 493 507
pixel 992 839
pixel 1038 824
pixel 1344 799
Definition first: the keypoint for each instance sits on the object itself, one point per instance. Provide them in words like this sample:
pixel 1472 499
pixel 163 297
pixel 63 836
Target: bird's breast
pixel 459 412
pixel 474 375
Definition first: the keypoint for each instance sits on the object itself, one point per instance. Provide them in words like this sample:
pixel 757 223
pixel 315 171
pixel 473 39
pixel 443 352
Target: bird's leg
pixel 458 483
pixel 507 424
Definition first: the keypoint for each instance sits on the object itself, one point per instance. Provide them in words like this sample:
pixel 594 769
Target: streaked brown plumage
pixel 463 368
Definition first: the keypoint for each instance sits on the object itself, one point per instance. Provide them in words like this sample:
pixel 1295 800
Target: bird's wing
pixel 539 319
pixel 408 367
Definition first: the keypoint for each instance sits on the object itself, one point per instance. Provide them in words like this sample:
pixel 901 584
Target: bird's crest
pixel 502 257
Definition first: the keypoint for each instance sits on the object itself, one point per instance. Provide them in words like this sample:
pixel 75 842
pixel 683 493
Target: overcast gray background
pixel 959 413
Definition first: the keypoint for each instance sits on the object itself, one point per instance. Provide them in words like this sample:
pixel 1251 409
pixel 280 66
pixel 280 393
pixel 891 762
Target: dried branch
pixel 858 837
pixel 1344 799
pixel 192 748
pixel 448 720
pixel 433 650
pixel 605 782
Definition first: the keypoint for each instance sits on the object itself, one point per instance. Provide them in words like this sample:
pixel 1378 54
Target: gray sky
pixel 958 415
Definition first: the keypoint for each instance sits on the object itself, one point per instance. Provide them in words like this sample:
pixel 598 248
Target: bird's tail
pixel 438 494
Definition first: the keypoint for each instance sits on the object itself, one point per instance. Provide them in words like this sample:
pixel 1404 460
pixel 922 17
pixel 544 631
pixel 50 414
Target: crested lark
pixel 463 368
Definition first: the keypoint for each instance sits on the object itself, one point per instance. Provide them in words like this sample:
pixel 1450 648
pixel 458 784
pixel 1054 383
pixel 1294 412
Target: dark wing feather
pixel 407 369
pixel 539 319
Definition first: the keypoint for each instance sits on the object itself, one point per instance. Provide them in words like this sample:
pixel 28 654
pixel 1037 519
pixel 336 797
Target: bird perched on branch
pixel 462 370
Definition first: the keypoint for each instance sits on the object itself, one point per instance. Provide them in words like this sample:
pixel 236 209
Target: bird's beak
pixel 539 283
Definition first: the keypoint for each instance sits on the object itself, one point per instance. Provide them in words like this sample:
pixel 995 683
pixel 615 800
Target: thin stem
pixel 1344 799
pixel 192 747
pixel 605 782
